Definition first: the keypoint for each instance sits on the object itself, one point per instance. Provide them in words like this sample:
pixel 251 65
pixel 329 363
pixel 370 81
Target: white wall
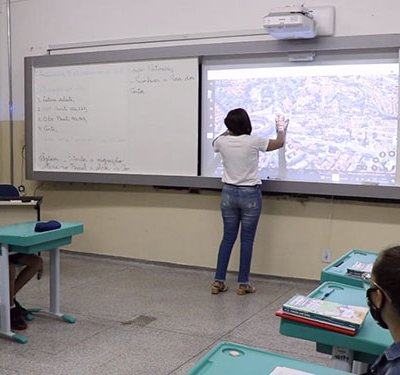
pixel 36 24
pixel 174 226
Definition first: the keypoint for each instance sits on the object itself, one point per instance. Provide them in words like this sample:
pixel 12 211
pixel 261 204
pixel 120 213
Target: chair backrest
pixel 8 191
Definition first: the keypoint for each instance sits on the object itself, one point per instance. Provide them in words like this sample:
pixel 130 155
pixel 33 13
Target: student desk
pixel 337 270
pixel 365 346
pixel 235 359
pixel 22 238
pixel 34 201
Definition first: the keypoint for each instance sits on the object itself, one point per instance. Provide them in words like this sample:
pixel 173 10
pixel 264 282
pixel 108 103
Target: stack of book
pixel 360 269
pixel 329 315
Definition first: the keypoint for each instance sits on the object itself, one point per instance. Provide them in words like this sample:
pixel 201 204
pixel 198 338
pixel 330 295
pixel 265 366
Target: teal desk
pixel 337 271
pixel 22 238
pixel 235 359
pixel 365 346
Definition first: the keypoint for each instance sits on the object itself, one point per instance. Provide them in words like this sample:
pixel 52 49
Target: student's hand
pixel 281 123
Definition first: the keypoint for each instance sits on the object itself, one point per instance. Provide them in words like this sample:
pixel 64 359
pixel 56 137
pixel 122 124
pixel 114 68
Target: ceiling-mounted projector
pixel 290 22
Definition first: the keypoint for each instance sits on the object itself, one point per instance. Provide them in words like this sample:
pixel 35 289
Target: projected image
pixel 343 119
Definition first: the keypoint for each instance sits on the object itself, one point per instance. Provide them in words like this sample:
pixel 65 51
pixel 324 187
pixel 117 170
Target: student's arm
pixel 281 127
pixel 227 132
pixel 278 142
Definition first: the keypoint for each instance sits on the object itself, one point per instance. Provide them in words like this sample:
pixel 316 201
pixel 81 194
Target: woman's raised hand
pixel 281 123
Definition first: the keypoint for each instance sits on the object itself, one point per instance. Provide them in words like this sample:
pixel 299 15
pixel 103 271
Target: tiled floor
pixel 146 319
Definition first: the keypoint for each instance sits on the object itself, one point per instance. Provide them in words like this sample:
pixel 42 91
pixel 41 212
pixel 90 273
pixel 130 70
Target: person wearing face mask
pixel 383 299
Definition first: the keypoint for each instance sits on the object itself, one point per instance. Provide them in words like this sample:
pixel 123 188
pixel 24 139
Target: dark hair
pixel 238 122
pixel 386 271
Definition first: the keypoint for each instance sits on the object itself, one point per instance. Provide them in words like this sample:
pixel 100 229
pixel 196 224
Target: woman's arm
pixel 281 127
pixel 227 132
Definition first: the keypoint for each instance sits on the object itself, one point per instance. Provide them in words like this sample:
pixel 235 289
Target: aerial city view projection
pixel 343 119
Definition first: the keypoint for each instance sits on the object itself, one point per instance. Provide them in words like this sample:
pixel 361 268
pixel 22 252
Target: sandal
pixel 218 286
pixel 245 289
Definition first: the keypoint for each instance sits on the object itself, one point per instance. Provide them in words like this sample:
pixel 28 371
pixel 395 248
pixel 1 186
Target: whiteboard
pixel 340 132
pixel 137 117
pixel 136 151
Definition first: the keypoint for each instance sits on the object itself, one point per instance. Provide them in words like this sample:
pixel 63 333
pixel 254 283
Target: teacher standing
pixel 241 198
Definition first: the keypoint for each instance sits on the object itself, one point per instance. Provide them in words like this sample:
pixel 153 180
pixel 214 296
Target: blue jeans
pixel 240 206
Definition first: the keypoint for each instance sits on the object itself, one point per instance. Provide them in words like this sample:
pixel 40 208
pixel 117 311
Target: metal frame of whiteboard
pixel 359 44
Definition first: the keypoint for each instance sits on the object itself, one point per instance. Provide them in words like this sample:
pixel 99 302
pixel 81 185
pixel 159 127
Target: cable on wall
pixel 10 101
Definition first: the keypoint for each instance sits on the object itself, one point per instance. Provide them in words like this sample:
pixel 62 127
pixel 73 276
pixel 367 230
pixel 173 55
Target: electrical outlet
pixel 326 256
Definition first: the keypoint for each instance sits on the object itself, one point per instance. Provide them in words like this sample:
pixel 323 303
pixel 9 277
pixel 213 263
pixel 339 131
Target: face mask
pixel 376 312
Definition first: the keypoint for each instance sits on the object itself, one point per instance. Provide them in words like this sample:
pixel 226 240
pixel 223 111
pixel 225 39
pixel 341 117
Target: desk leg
pixel 55 287
pixel 55 282
pixel 342 359
pixel 360 367
pixel 5 292
pixel 5 324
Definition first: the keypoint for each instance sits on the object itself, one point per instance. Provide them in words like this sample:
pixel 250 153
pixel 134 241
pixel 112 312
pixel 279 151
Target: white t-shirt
pixel 240 158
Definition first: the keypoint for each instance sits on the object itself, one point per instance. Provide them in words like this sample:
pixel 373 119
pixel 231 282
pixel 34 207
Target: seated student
pixel 383 298
pixel 31 265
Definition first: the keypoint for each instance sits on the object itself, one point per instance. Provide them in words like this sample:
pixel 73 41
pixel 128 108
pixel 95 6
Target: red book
pixel 315 323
